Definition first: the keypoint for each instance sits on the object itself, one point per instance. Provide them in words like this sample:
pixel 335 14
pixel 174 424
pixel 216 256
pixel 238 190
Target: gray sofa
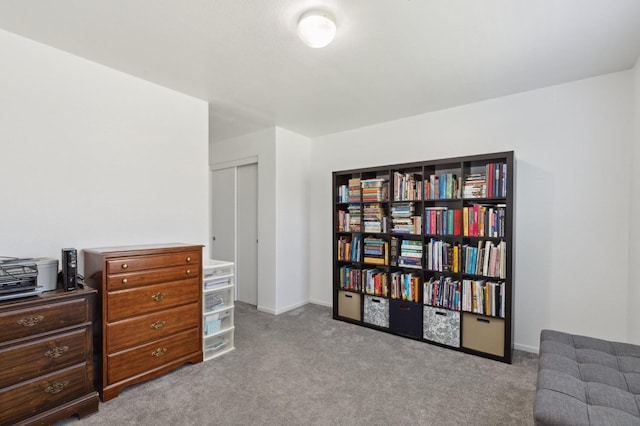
pixel 587 381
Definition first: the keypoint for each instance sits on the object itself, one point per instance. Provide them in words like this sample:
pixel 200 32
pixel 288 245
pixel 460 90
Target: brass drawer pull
pixel 56 387
pixel 124 281
pixel 30 321
pixel 158 325
pixel 158 297
pixel 125 266
pixel 159 352
pixel 188 271
pixel 188 259
pixel 56 352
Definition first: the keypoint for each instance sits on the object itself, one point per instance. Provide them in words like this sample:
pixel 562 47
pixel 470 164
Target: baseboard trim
pixel 525 348
pixel 321 303
pixel 267 310
pixel 283 310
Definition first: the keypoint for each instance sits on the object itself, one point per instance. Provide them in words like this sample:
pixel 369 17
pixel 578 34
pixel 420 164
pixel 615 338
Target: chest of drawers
pixel 150 311
pixel 46 358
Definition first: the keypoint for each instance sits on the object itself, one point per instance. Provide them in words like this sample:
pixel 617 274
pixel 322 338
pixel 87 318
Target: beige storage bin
pixel 349 305
pixel 484 334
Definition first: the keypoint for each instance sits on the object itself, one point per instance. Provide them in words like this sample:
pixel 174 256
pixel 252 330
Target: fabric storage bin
pixel 349 305
pixel 441 326
pixel 376 311
pixel 484 334
pixel 405 318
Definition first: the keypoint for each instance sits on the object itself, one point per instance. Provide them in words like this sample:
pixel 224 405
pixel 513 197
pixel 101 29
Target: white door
pixel 223 214
pixel 247 216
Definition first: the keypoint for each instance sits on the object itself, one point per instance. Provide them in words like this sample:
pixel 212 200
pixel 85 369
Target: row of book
pixel 405 286
pixel 484 220
pixel 406 253
pixel 442 186
pixel 443 293
pixel 477 220
pixel 496 180
pixel 489 182
pixel 375 282
pixel 374 218
pixel 350 278
pixel 483 297
pixel 349 220
pixel 403 220
pixel 342 194
pixel 442 221
pixel 406 186
pixel 350 193
pixel 376 189
pixel 476 296
pixel 488 258
pixel 376 251
pixel 349 249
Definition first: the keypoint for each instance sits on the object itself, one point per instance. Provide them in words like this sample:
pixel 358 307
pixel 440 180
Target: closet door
pixel 223 214
pixel 247 216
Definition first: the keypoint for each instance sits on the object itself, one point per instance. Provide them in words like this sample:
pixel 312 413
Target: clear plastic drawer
pixel 217 345
pixel 217 322
pixel 217 300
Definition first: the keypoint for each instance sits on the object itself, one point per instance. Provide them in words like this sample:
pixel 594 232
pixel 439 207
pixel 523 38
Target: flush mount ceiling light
pixel 316 28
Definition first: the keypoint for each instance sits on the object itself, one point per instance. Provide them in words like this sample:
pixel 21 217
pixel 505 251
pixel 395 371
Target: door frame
pixel 228 165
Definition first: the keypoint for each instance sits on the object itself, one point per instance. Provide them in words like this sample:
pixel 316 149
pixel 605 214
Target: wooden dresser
pixel 46 358
pixel 151 311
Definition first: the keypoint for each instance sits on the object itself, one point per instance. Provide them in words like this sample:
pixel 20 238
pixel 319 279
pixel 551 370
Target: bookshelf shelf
pixel 425 250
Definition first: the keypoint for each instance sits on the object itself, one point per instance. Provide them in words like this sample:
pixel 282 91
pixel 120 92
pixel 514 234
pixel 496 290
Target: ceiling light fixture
pixel 316 28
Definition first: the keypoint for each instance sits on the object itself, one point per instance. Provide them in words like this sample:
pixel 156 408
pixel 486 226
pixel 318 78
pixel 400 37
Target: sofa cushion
pixel 587 381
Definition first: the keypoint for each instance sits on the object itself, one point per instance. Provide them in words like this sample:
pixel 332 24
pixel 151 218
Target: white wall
pixel 260 145
pixel 93 157
pixel 283 212
pixel 634 226
pixel 292 219
pixel 571 143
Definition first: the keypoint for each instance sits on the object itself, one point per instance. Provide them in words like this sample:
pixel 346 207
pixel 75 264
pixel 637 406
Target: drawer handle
pixel 30 321
pixel 444 314
pixel 56 387
pixel 125 266
pixel 188 271
pixel 159 352
pixel 158 297
pixel 158 325
pixel 405 307
pixel 188 259
pixel 483 320
pixel 124 281
pixel 56 352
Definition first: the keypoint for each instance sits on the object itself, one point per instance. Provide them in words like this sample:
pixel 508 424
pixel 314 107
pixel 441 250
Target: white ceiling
pixel 390 59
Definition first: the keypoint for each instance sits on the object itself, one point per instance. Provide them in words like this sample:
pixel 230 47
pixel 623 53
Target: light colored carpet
pixel 304 368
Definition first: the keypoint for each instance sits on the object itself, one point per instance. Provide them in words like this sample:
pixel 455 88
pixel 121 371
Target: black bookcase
pixel 425 250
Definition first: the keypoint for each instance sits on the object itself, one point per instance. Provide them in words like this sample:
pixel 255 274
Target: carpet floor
pixel 304 368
